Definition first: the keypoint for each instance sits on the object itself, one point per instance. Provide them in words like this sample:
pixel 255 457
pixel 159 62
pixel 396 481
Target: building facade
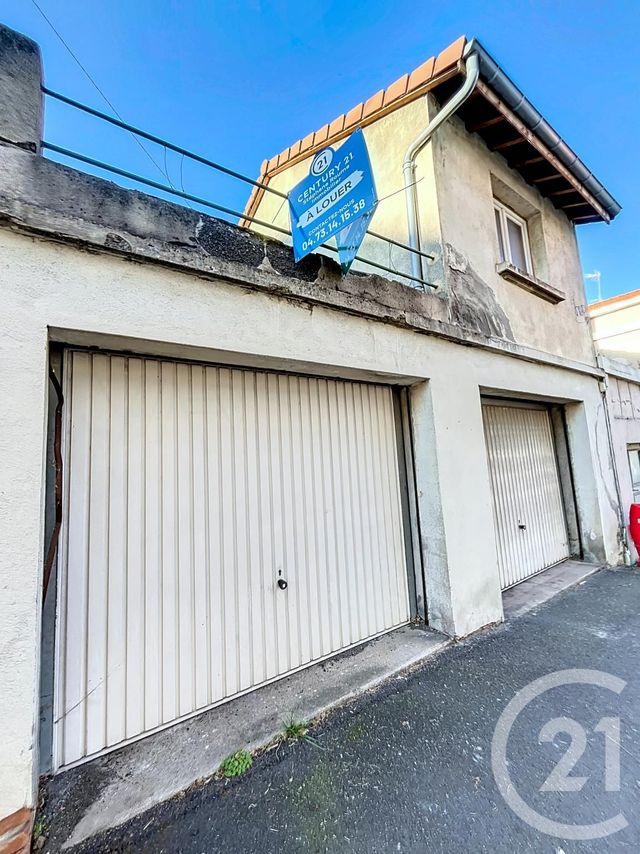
pixel 480 199
pixel 615 323
pixel 249 465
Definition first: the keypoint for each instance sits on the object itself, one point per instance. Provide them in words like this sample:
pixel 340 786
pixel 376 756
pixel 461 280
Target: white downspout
pixel 622 524
pixel 472 70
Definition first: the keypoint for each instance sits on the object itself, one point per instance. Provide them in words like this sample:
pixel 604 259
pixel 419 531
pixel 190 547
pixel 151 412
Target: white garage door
pixel 191 491
pixel 531 530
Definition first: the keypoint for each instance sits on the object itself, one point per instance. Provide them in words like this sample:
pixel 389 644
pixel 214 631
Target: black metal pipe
pixel 57 454
pixel 158 140
pixel 200 159
pixel 50 146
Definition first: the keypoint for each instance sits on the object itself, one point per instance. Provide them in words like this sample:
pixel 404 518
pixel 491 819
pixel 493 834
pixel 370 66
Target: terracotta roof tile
pixel 321 135
pixel 283 157
pixel 450 55
pixel 249 209
pixel 307 142
pixel 373 104
pixel 353 116
pixel 396 90
pixel 422 74
pixel 336 125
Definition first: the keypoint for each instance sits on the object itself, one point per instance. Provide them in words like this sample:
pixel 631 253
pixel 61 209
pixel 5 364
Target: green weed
pixel 237 763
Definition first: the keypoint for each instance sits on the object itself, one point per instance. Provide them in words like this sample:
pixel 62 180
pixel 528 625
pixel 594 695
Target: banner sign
pixel 349 239
pixel 336 199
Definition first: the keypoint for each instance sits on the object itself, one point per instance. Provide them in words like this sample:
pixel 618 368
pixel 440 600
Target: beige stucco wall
pixel 466 175
pixel 100 299
pixel 457 177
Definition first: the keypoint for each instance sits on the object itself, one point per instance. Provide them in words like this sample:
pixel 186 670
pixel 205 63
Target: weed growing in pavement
pixel 237 764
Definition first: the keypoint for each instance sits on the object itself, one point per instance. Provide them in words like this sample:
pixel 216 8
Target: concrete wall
pixel 53 290
pixel 21 115
pixel 458 178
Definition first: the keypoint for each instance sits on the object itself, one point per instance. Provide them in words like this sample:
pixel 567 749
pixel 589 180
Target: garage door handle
pixel 282 584
pixel 522 526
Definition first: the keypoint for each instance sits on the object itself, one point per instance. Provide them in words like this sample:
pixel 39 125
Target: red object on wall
pixel 634 527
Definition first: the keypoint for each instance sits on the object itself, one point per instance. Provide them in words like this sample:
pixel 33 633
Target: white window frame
pixel 504 214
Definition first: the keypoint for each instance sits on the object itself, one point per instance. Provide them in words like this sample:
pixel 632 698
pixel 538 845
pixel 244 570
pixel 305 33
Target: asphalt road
pixel 409 767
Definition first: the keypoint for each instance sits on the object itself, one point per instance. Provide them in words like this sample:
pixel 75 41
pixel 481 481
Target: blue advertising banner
pixel 338 191
pixel 349 239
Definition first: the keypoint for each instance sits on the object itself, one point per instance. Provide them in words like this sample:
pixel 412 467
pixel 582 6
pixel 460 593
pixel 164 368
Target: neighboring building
pixel 615 324
pixel 262 464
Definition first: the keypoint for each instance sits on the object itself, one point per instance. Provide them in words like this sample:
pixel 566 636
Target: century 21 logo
pixel 560 779
pixel 322 161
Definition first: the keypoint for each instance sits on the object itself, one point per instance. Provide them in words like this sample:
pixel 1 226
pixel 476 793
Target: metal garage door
pixel 531 530
pixel 191 491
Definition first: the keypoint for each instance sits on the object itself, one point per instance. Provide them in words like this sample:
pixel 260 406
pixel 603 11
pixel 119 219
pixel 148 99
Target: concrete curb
pixel 113 789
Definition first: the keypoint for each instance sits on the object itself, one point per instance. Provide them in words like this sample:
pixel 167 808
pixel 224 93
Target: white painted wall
pixel 105 300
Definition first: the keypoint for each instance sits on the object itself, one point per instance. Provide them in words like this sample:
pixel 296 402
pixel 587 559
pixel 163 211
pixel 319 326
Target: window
pixel 634 465
pixel 513 239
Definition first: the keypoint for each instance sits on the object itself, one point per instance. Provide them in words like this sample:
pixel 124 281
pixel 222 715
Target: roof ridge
pixel 628 295
pixel 407 87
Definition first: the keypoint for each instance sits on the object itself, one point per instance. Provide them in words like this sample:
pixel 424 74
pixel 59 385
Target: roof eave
pixel 495 86
pixel 496 79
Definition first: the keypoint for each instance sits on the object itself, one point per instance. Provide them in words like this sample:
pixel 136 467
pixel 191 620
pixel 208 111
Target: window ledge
pixel 529 283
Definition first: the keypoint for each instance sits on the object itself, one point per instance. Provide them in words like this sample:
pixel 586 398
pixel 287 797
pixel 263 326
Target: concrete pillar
pixel 21 111
pixel 454 503
pixel 595 490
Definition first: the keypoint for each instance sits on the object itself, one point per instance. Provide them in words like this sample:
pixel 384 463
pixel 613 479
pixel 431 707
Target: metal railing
pixel 204 202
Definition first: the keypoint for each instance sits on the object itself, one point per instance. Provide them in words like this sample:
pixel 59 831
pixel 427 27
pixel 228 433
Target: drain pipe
pixel 472 70
pixel 622 525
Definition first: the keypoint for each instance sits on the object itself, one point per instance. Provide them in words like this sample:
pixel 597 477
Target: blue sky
pixel 240 81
